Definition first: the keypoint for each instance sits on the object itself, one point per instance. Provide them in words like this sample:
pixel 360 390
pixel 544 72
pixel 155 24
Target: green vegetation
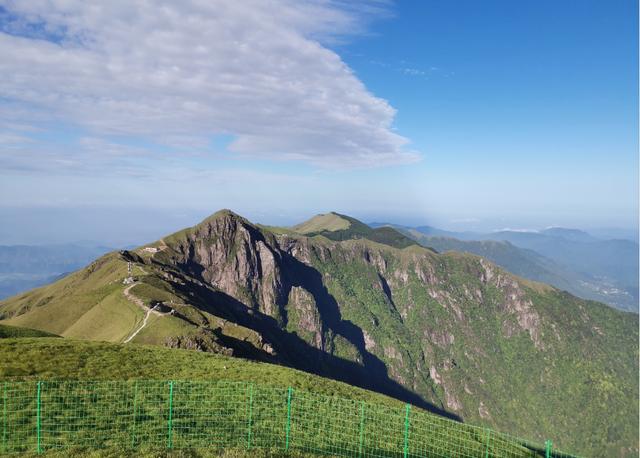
pixel 599 270
pixel 272 409
pixel 68 359
pixel 91 304
pixel 340 227
pixel 7 332
pixel 529 264
pixel 161 452
pixel 329 222
pixel 481 351
pixel 448 332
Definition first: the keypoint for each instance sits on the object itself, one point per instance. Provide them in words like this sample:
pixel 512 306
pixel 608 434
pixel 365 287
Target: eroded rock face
pixel 310 285
pixel 369 343
pixel 451 400
pixel 303 314
pixel 392 352
pixel 515 303
pixel 483 411
pixel 433 373
pixel 441 338
pixel 234 257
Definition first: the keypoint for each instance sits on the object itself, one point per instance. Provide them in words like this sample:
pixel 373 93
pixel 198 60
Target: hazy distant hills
pixel 448 331
pixel 23 267
pixel 569 259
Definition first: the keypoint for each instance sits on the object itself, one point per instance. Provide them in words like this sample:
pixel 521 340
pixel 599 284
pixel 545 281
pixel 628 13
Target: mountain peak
pixel 223 214
pixel 326 222
pixel 338 227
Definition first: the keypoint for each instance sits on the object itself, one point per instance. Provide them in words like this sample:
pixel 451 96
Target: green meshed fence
pixel 49 415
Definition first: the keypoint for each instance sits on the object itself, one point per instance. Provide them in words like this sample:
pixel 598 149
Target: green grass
pixel 52 358
pixel 329 222
pixel 340 228
pixel 90 304
pixel 217 400
pixel 150 452
pixel 7 332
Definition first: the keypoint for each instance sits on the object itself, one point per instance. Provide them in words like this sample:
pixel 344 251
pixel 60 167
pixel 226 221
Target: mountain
pixel 449 332
pixel 533 266
pixel 569 259
pixel 340 227
pixel 611 266
pixel 574 235
pixel 518 261
pixel 615 233
pixel 430 231
pixel 23 267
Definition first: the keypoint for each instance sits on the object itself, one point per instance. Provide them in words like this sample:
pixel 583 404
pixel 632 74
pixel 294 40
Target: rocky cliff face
pixel 452 332
pixel 230 254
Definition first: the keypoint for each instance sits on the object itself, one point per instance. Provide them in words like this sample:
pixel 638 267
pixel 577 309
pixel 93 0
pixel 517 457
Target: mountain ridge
pixel 438 330
pixel 337 227
pixel 570 259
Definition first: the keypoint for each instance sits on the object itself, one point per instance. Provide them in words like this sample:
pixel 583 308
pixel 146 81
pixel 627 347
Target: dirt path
pixel 139 302
pixel 144 323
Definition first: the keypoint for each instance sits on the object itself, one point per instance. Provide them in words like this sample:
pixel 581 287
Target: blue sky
pixel 460 114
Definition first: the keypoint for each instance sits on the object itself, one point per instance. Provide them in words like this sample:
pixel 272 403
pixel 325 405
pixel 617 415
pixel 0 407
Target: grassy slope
pixel 328 222
pixel 90 304
pixel 59 359
pixel 340 227
pixel 87 303
pixel 144 452
pixel 7 332
pixel 51 358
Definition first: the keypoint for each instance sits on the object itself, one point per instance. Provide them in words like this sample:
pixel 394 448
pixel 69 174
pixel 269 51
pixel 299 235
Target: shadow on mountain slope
pixel 293 351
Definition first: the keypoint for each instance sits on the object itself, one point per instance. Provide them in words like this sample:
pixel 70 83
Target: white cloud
pixel 180 73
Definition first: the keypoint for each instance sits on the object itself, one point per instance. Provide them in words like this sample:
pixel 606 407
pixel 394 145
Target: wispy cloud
pixel 180 73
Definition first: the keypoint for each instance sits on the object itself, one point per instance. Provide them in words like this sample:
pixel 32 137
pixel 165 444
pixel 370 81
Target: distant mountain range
pixel 451 332
pixel 569 259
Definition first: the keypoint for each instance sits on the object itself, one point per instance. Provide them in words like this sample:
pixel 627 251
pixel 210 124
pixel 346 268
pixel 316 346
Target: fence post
pixel 38 447
pixel 4 418
pixel 361 428
pixel 406 430
pixel 548 445
pixel 135 414
pixel 486 450
pixel 250 416
pixel 170 424
pixel 288 431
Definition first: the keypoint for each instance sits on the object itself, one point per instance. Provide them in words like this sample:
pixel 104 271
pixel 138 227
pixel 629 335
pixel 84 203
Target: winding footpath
pixel 136 300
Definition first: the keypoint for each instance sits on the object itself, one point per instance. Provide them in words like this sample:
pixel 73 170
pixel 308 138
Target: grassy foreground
pixel 7 332
pixel 83 452
pixel 66 359
pixel 216 400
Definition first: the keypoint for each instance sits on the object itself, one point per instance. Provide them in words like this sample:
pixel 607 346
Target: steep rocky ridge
pixel 451 332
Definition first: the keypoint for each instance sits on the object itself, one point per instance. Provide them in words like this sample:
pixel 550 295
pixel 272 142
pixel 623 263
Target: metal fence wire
pixel 39 416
